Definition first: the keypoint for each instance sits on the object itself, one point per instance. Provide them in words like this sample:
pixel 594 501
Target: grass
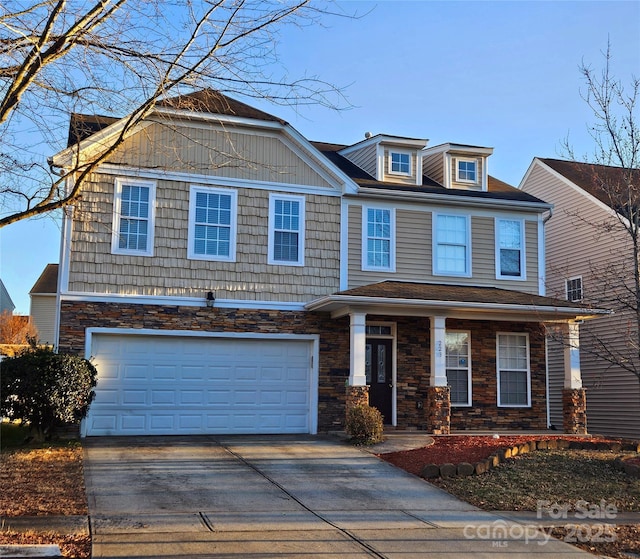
pixel 564 476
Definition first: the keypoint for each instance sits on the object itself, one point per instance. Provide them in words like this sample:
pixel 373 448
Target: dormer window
pixel 400 163
pixel 467 170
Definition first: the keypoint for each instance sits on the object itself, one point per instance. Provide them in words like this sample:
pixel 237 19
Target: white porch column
pixel 438 355
pixel 357 347
pixel 572 375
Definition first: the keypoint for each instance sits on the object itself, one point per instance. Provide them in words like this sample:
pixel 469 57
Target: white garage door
pixel 161 385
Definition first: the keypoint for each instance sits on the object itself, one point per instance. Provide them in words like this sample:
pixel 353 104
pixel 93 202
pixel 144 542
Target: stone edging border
pixel 465 469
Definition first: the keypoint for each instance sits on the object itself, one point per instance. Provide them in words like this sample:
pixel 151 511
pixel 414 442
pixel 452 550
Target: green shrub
pixel 44 389
pixel 364 425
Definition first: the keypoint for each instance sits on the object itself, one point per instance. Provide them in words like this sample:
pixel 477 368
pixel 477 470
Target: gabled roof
pixel 215 102
pixel 601 181
pixel 47 283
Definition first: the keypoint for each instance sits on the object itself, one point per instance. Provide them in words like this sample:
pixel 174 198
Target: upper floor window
pixel 286 230
pixel 133 217
pixel 574 289
pixel 378 251
pixel 514 374
pixel 400 163
pixel 467 170
pixel 510 259
pixel 212 224
pixel 451 245
pixel 458 367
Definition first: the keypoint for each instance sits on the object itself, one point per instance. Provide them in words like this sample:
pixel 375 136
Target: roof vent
pixel 367 135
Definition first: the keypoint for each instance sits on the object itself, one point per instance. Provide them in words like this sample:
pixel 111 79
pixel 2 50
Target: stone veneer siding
pixel 574 410
pixel 413 361
pixel 334 344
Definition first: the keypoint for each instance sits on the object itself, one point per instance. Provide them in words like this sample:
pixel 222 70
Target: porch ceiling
pixel 455 301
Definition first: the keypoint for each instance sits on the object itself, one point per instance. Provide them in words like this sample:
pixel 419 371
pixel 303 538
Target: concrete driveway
pixel 280 496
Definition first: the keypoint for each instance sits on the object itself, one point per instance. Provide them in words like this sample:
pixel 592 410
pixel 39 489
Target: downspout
pixel 546 345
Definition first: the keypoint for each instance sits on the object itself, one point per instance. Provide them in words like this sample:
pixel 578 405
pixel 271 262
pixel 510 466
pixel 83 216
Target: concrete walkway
pixel 265 497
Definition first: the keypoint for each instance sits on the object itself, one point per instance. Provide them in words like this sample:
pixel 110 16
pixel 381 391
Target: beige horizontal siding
pixel 433 167
pixel 365 158
pixel 228 153
pixel 577 245
pixel 170 273
pixel 414 252
pixel 43 317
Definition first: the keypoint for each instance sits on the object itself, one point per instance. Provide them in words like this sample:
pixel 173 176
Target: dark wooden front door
pixel 379 376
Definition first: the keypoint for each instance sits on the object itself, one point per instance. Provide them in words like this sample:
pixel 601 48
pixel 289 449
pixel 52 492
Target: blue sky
pixel 498 74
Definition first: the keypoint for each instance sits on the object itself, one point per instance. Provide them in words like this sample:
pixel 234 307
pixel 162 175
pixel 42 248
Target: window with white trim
pixel 574 289
pixel 458 366
pixel 466 170
pixel 510 254
pixel 378 235
pixel 133 217
pixel 286 230
pixel 212 224
pixel 514 374
pixel 399 163
pixel 451 245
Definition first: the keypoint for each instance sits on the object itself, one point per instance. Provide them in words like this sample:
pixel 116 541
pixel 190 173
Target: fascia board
pixel 458 148
pixel 580 190
pixel 448 199
pixel 541 313
pixel 94 144
pixel 417 143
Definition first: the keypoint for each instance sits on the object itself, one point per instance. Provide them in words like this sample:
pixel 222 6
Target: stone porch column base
pixel 356 396
pixel 438 410
pixel 574 411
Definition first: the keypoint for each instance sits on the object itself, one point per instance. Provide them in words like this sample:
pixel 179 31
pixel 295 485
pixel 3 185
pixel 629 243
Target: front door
pixel 379 376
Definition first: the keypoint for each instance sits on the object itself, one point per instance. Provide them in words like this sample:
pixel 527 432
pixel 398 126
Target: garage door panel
pixel 163 385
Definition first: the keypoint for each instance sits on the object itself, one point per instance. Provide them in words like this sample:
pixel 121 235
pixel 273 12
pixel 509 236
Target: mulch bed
pixel 454 449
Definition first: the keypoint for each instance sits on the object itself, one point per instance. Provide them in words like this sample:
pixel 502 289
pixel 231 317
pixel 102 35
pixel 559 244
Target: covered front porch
pixel 457 358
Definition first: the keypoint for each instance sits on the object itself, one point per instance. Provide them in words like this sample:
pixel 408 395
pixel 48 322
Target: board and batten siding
pixel 574 247
pixel 213 150
pixel 169 273
pixel 414 251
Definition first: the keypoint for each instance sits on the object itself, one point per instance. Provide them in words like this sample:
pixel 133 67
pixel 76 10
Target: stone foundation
pixel 438 410
pixel 356 396
pixel 574 411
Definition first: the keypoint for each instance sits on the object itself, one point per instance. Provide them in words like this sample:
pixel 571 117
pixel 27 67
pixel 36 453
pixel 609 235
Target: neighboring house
pixel 43 304
pixel 6 303
pixel 587 255
pixel 227 275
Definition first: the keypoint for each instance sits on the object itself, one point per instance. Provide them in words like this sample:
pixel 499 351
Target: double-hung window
pixel 399 163
pixel 286 230
pixel 133 217
pixel 510 254
pixel 458 366
pixel 451 245
pixel 378 234
pixel 467 170
pixel 514 374
pixel 212 224
pixel 574 289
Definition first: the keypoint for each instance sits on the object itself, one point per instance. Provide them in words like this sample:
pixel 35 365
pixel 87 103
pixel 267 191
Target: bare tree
pixel 612 174
pixel 123 57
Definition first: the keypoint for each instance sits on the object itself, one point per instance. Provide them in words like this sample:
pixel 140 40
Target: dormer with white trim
pixel 389 158
pixel 457 166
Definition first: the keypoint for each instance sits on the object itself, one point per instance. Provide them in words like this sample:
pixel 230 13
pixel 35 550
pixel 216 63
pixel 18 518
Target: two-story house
pixel 590 261
pixel 229 276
